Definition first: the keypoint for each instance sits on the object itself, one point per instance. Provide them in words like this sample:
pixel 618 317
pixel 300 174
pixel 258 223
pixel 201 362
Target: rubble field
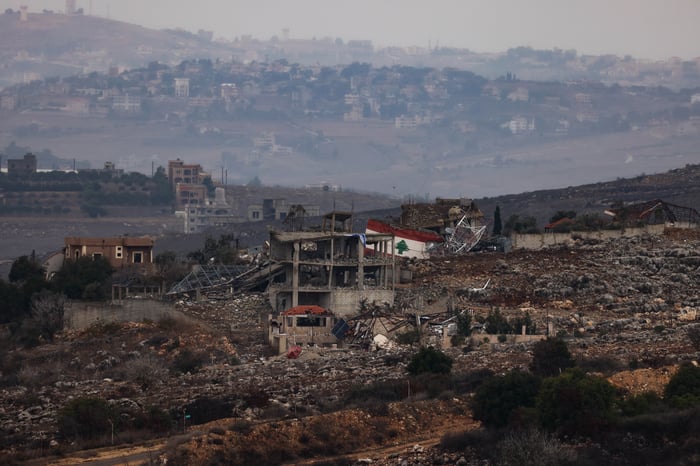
pixel 623 306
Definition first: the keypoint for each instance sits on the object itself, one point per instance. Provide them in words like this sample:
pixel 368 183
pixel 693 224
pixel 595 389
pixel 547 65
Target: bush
pixel 532 447
pixel 551 357
pixel 85 418
pixel 206 409
pixel 154 419
pixel 603 364
pixel 189 361
pixel 428 359
pixel 644 403
pixel 497 398
pixel 683 390
pixel 575 403
pixel 497 323
pixel 146 371
pixel 408 338
pixel 694 336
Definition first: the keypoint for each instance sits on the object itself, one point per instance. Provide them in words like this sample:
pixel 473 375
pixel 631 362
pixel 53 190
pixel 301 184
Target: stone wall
pixel 79 315
pixel 544 240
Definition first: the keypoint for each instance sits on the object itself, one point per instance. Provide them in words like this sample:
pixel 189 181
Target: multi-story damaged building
pixel 333 268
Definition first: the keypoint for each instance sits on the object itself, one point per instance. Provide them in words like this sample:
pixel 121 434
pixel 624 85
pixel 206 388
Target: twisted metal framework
pixel 463 237
pixel 211 276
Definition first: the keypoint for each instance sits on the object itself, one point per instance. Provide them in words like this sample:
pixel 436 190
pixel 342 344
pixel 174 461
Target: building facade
pixel 22 167
pixel 121 252
pixel 336 270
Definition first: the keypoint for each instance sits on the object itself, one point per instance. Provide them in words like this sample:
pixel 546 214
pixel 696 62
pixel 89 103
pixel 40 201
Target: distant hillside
pixel 60 45
pixel 680 186
pixel 51 44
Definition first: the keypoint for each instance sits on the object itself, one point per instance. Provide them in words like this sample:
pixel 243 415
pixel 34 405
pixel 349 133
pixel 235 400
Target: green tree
pixel 550 357
pixel 496 323
pixel 464 324
pixel 523 225
pixel 499 397
pixel 26 268
pixel 497 225
pixel 169 268
pixel 14 306
pixel 209 184
pixel 84 278
pixel 162 192
pixel 47 313
pixel 428 359
pixel 683 390
pixel 575 403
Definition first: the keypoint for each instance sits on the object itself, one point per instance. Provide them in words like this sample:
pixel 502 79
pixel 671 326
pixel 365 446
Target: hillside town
pixel 323 251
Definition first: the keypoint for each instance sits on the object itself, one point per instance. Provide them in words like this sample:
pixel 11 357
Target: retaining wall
pixel 544 240
pixel 79 315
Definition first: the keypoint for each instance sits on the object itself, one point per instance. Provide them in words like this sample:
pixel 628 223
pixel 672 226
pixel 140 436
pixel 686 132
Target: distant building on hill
pixel 121 252
pixel 22 167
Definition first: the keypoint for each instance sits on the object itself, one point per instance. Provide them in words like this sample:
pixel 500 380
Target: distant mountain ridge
pixel 51 44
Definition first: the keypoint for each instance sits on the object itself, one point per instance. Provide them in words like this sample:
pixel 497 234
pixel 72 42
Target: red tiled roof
pixel 561 221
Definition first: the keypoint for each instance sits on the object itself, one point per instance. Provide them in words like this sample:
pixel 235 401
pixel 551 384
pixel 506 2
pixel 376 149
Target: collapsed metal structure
pixel 463 236
pixel 220 278
pixel 654 212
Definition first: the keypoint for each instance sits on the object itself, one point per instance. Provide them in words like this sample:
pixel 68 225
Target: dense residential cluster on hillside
pixel 197 91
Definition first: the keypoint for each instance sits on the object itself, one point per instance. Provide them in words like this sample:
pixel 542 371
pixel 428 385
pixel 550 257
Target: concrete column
pixel 295 274
pixel 361 265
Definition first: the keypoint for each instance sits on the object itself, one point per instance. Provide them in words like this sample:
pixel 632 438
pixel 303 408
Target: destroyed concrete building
pixel 440 215
pixel 333 268
pixel 655 212
pixel 447 226
pixel 301 326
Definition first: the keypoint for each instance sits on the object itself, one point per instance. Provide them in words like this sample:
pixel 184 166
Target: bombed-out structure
pixel 333 268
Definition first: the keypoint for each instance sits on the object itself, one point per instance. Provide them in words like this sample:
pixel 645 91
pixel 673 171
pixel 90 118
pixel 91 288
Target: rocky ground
pixel 624 307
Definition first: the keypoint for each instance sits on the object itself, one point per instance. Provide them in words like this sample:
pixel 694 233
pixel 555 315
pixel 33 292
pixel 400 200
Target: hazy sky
pixel 642 28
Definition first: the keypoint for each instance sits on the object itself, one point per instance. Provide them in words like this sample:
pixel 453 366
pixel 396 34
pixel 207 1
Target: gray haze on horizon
pixel 646 29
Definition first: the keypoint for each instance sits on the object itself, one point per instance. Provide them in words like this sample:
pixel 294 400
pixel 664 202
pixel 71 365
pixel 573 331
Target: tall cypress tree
pixel 497 225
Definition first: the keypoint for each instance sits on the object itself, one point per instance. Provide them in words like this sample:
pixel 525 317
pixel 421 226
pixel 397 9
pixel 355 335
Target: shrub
pixel 431 384
pixel 145 371
pixel 241 426
pixel 207 409
pixel 154 419
pixel 85 418
pixel 532 447
pixel 550 357
pixel 498 397
pixel 683 390
pixel 428 359
pixel 497 323
pixel 460 441
pixel 575 403
pixel 604 364
pixel 644 403
pixel 189 361
pixel 694 336
pixel 408 338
